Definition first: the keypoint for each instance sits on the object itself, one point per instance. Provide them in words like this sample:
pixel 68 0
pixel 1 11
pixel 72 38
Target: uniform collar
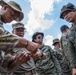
pixel 64 34
pixel 73 27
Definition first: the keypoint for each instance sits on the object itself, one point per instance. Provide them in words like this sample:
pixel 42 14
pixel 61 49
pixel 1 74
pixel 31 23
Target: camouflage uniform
pixel 7 42
pixel 55 55
pixel 2 70
pixel 64 44
pixel 71 35
pixel 47 66
pixel 27 68
pixel 63 62
pixel 72 46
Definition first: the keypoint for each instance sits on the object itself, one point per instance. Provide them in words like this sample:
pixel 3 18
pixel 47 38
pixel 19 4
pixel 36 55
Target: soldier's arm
pixel 30 46
pixel 10 41
pixel 46 51
pixel 71 55
pixel 10 63
pixel 39 55
pixel 59 55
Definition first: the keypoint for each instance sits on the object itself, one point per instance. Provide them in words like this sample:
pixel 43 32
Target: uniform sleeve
pixel 5 60
pixel 71 54
pixel 47 51
pixel 71 51
pixel 7 40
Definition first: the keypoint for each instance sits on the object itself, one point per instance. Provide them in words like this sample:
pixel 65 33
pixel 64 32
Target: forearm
pixel 30 46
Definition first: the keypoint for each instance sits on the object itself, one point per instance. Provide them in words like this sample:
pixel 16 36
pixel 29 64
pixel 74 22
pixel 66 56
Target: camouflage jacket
pixel 64 47
pixel 28 66
pixel 72 46
pixel 47 66
pixel 3 69
pixel 7 43
pixel 64 44
pixel 7 40
pixel 63 61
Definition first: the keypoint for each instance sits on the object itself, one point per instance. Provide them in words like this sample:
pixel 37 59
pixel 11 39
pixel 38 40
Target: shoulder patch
pixel 65 41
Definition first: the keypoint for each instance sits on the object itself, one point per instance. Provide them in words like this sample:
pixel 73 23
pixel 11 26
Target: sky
pixel 42 16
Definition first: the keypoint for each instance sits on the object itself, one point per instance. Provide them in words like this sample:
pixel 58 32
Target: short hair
pixel 63 28
pixel 35 34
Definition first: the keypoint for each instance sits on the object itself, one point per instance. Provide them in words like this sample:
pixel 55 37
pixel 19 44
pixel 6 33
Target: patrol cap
pixel 18 25
pixel 68 7
pixel 35 34
pixel 14 6
pixel 55 41
pixel 63 28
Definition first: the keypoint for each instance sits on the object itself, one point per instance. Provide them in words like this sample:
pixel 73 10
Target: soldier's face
pixel 39 38
pixel 9 14
pixel 19 31
pixel 70 16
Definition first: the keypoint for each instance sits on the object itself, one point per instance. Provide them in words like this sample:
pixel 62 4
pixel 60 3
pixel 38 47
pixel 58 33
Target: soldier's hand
pixel 74 71
pixel 18 60
pixel 22 58
pixel 32 47
pixel 37 55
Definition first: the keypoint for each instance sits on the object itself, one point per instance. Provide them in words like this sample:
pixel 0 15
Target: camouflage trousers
pixel 51 71
pixel 32 72
pixel 2 71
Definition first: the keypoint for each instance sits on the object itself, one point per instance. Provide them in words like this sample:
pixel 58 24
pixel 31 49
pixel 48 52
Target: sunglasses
pixel 39 37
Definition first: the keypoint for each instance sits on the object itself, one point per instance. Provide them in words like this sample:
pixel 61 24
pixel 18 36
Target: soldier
pixel 64 29
pixel 44 67
pixel 68 13
pixel 12 11
pixel 61 58
pixel 56 44
pixel 29 67
pixel 63 41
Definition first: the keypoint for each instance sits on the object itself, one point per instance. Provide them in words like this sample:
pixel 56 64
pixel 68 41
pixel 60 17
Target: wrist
pixel 41 55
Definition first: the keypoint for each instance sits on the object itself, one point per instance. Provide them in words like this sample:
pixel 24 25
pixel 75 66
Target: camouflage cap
pixel 14 6
pixel 18 25
pixel 55 40
pixel 68 7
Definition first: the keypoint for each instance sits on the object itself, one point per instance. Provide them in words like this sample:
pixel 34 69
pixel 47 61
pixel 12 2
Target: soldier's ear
pixel 5 7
